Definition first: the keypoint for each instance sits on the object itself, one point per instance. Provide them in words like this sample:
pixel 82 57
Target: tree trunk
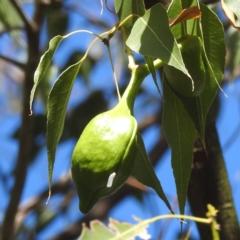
pixel 209 184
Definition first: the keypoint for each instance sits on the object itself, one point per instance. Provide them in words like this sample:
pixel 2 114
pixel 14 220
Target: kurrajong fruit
pixel 110 149
pixel 104 155
pixel 192 54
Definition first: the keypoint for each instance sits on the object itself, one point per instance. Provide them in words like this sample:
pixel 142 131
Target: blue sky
pixel 37 178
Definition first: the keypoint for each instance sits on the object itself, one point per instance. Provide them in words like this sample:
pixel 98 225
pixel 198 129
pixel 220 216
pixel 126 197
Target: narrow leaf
pixel 180 134
pixel 57 105
pixel 143 171
pixel 214 45
pixel 151 36
pixel 44 64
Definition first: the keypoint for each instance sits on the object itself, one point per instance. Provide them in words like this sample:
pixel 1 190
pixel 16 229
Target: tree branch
pixel 209 184
pixel 26 138
pixel 14 62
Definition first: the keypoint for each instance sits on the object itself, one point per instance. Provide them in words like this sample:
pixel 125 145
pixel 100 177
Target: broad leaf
pixel 125 8
pixel 151 36
pixel 143 171
pixel 44 64
pixel 57 105
pixel 180 133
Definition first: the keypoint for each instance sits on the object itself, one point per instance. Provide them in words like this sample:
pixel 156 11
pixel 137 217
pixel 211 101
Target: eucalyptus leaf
pixel 180 133
pixel 143 171
pixel 57 105
pixel 151 36
pixel 44 64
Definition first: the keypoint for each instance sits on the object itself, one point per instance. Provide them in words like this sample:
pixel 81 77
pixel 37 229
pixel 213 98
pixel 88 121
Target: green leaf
pixel 44 64
pixel 151 36
pixel 180 133
pixel 211 28
pixel 149 60
pixel 173 11
pixel 57 105
pixel 143 171
pixel 115 229
pixel 125 8
pixel 9 16
pixel 213 39
pixel 97 231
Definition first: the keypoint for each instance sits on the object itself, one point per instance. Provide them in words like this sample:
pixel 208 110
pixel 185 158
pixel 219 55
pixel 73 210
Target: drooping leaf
pixel 211 28
pixel 125 8
pixel 44 64
pixel 143 171
pixel 232 12
pixel 213 39
pixel 151 36
pixel 180 133
pixel 57 105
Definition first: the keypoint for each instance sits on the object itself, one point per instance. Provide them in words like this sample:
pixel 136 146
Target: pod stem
pixel 137 77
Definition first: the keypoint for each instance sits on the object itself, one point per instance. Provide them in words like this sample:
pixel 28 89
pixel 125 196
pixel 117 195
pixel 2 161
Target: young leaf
pixel 44 64
pixel 143 171
pixel 180 132
pixel 57 105
pixel 151 36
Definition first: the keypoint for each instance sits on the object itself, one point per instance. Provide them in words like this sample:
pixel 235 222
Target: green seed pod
pixel 193 59
pixel 104 155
